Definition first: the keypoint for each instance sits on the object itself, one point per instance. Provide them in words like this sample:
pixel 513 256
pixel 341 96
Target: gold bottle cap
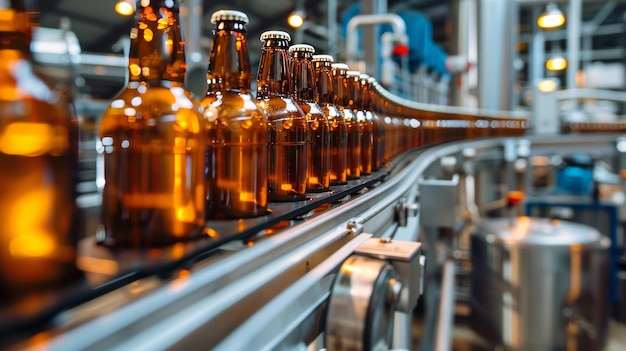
pixel 275 34
pixel 229 15
pixel 301 48
pixel 327 58
pixel 340 66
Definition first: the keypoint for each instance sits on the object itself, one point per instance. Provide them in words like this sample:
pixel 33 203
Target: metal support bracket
pixel 406 259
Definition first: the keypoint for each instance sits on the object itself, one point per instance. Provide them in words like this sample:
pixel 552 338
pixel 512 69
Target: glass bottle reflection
pixel 38 170
pixel 337 125
pixel 287 122
pixel 236 125
pixel 343 96
pixel 151 140
pixel 378 151
pixel 364 116
pixel 318 168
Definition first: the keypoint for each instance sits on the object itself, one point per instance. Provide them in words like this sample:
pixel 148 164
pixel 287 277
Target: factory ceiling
pixel 99 28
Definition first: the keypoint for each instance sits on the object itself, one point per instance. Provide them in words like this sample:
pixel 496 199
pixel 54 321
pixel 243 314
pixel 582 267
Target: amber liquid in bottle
pixel 151 141
pixel 343 94
pixel 378 151
pixel 361 102
pixel 39 219
pixel 236 126
pixel 318 168
pixel 287 122
pixel 337 126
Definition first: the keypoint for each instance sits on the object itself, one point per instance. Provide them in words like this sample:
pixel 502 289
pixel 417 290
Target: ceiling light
pixel 296 19
pixel 548 85
pixel 125 7
pixel 557 63
pixel 551 18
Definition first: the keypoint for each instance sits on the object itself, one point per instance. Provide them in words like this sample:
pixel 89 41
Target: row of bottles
pixel 169 163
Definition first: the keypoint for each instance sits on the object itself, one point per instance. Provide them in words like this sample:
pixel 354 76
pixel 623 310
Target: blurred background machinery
pixel 296 290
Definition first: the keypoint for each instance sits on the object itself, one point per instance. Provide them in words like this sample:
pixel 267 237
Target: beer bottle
pixel 337 126
pixel 344 100
pixel 362 98
pixel 151 140
pixel 378 151
pixel 287 122
pixel 318 168
pixel 236 125
pixel 38 171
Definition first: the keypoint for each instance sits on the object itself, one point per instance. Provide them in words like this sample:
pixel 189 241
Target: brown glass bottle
pixel 151 140
pixel 344 101
pixel 236 125
pixel 38 171
pixel 287 122
pixel 361 99
pixel 337 126
pixel 378 151
pixel 318 168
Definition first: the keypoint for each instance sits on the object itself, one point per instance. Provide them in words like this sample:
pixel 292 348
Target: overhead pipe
pixel 396 22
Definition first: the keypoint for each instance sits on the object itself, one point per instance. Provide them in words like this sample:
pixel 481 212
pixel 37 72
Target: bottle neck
pixel 273 74
pixel 324 82
pixel 303 77
pixel 229 63
pixel 157 53
pixel 365 95
pixel 355 95
pixel 340 85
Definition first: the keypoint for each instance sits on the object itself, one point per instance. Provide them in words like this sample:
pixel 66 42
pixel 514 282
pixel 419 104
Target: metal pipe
pixel 443 338
pixel 195 80
pixel 496 52
pixel 464 33
pixel 402 325
pixel 597 94
pixel 331 24
pixel 396 22
pixel 574 19
pixel 537 49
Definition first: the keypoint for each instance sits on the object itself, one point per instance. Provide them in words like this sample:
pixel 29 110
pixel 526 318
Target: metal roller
pixel 361 306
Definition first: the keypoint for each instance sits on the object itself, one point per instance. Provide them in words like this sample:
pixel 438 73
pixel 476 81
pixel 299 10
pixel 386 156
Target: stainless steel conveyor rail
pixel 272 295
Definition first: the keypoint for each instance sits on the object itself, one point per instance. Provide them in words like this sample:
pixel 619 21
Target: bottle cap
pixel 229 15
pixel 340 66
pixel 327 58
pixel 301 48
pixel 364 76
pixel 371 80
pixel 275 34
pixel 353 73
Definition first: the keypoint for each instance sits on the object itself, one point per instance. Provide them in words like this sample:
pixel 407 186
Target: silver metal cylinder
pixel 496 52
pixel 540 284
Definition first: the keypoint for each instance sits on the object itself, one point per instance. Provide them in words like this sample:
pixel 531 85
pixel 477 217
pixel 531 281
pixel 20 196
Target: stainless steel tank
pixel 540 284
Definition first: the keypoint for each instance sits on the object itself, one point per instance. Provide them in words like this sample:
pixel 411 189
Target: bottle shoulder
pixel 20 81
pixel 311 108
pixel 137 107
pixel 27 95
pixel 232 106
pixel 281 107
pixel 348 113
